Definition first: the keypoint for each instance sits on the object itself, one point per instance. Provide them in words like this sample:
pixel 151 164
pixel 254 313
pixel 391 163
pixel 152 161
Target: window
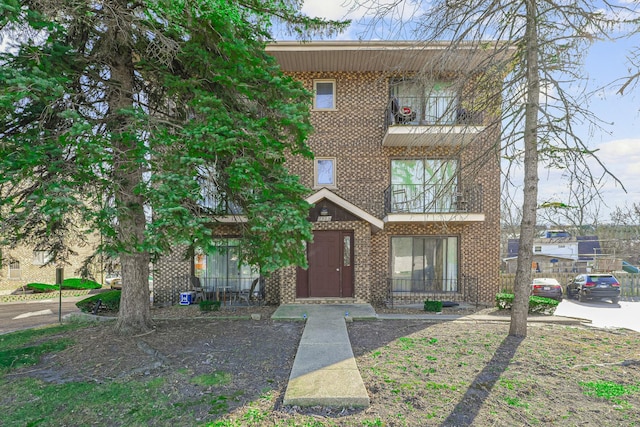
pixel 424 185
pixel 324 94
pixel 223 268
pixel 325 172
pixel 537 249
pixel 15 272
pixel 424 264
pixel 429 103
pixel 41 257
pixel 211 196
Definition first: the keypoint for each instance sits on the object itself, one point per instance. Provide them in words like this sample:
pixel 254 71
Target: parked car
pixel 546 287
pixel 114 280
pixel 594 286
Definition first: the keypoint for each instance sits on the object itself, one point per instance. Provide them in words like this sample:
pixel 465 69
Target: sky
pixel 617 144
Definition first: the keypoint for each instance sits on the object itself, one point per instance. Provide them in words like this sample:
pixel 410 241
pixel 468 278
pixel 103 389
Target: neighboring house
pixel 557 251
pixel 403 209
pixel 23 265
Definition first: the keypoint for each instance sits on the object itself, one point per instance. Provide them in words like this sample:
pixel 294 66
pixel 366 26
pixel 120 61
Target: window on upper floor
pixel 324 94
pixel 424 185
pixel 212 198
pixel 537 249
pixel 424 103
pixel 325 172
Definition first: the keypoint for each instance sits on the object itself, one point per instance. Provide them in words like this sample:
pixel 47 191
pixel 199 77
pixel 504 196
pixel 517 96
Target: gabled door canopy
pixel 350 207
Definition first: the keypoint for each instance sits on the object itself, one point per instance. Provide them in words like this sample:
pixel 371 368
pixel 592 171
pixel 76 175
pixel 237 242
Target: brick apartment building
pixel 405 181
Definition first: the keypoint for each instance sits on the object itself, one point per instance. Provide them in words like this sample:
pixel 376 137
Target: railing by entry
pixel 409 291
pixel 417 198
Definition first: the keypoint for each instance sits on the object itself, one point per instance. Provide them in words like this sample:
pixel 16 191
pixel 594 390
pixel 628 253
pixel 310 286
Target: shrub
pixel 77 283
pixel 41 287
pixel 71 283
pixel 434 306
pixel 109 300
pixel 536 304
pixel 209 305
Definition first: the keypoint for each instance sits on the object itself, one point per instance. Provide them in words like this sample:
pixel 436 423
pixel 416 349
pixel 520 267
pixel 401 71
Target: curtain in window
pixel 424 264
pixel 223 268
pixel 434 103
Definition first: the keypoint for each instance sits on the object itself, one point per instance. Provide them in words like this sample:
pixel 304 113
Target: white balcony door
pixel 426 185
pixel 433 103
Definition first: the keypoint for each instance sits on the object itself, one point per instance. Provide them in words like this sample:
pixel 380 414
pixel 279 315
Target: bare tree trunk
pixel 522 289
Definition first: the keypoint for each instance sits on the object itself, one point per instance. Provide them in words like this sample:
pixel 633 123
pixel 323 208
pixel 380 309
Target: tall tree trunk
pixel 520 309
pixel 135 315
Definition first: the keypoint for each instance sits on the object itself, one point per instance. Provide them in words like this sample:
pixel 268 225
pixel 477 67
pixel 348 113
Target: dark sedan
pixel 594 286
pixel 547 287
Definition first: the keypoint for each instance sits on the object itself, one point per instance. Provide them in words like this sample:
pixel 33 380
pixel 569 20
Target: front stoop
pixel 324 371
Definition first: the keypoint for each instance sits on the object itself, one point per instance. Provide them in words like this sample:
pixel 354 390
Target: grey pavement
pixel 603 314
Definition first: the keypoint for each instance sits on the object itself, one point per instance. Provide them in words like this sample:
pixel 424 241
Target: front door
pixel 330 272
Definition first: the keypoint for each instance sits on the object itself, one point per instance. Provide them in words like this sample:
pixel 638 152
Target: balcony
pixel 223 209
pixel 430 121
pixel 404 203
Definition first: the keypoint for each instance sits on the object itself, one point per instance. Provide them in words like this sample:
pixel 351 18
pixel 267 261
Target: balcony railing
pixel 442 110
pixel 219 204
pixel 416 198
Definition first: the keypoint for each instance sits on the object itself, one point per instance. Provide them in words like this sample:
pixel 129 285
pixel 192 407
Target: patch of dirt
pixel 417 373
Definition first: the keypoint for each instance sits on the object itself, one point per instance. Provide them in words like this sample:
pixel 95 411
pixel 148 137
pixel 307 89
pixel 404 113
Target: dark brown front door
pixel 330 272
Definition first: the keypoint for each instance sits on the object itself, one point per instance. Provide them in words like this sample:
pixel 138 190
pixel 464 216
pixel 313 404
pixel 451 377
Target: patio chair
pixel 256 292
pixel 198 289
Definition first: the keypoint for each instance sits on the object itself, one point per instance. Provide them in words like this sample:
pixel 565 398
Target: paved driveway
pixel 603 314
pixel 24 315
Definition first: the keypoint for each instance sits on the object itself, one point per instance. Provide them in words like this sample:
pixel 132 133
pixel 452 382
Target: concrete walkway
pixel 324 371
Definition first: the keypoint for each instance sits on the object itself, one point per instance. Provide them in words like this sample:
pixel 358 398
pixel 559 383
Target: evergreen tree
pixel 128 118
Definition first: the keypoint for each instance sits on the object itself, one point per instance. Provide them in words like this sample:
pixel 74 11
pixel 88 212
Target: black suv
pixel 600 286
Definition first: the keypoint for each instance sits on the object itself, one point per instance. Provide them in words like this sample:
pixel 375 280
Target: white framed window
pixel 424 263
pixel 15 272
pixel 41 257
pixel 424 185
pixel 324 94
pixel 537 248
pixel 430 103
pixel 325 172
pixel 223 268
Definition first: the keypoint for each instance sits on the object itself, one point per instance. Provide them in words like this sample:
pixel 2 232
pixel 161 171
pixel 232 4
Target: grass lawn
pixel 233 373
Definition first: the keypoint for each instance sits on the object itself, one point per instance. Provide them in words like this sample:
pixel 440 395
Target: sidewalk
pixel 324 372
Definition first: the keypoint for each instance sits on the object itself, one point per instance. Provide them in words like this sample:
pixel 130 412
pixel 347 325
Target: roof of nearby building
pixel 388 56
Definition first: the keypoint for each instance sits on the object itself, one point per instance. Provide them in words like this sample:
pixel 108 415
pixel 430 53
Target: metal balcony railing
pixel 442 110
pixel 416 198
pixel 219 204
